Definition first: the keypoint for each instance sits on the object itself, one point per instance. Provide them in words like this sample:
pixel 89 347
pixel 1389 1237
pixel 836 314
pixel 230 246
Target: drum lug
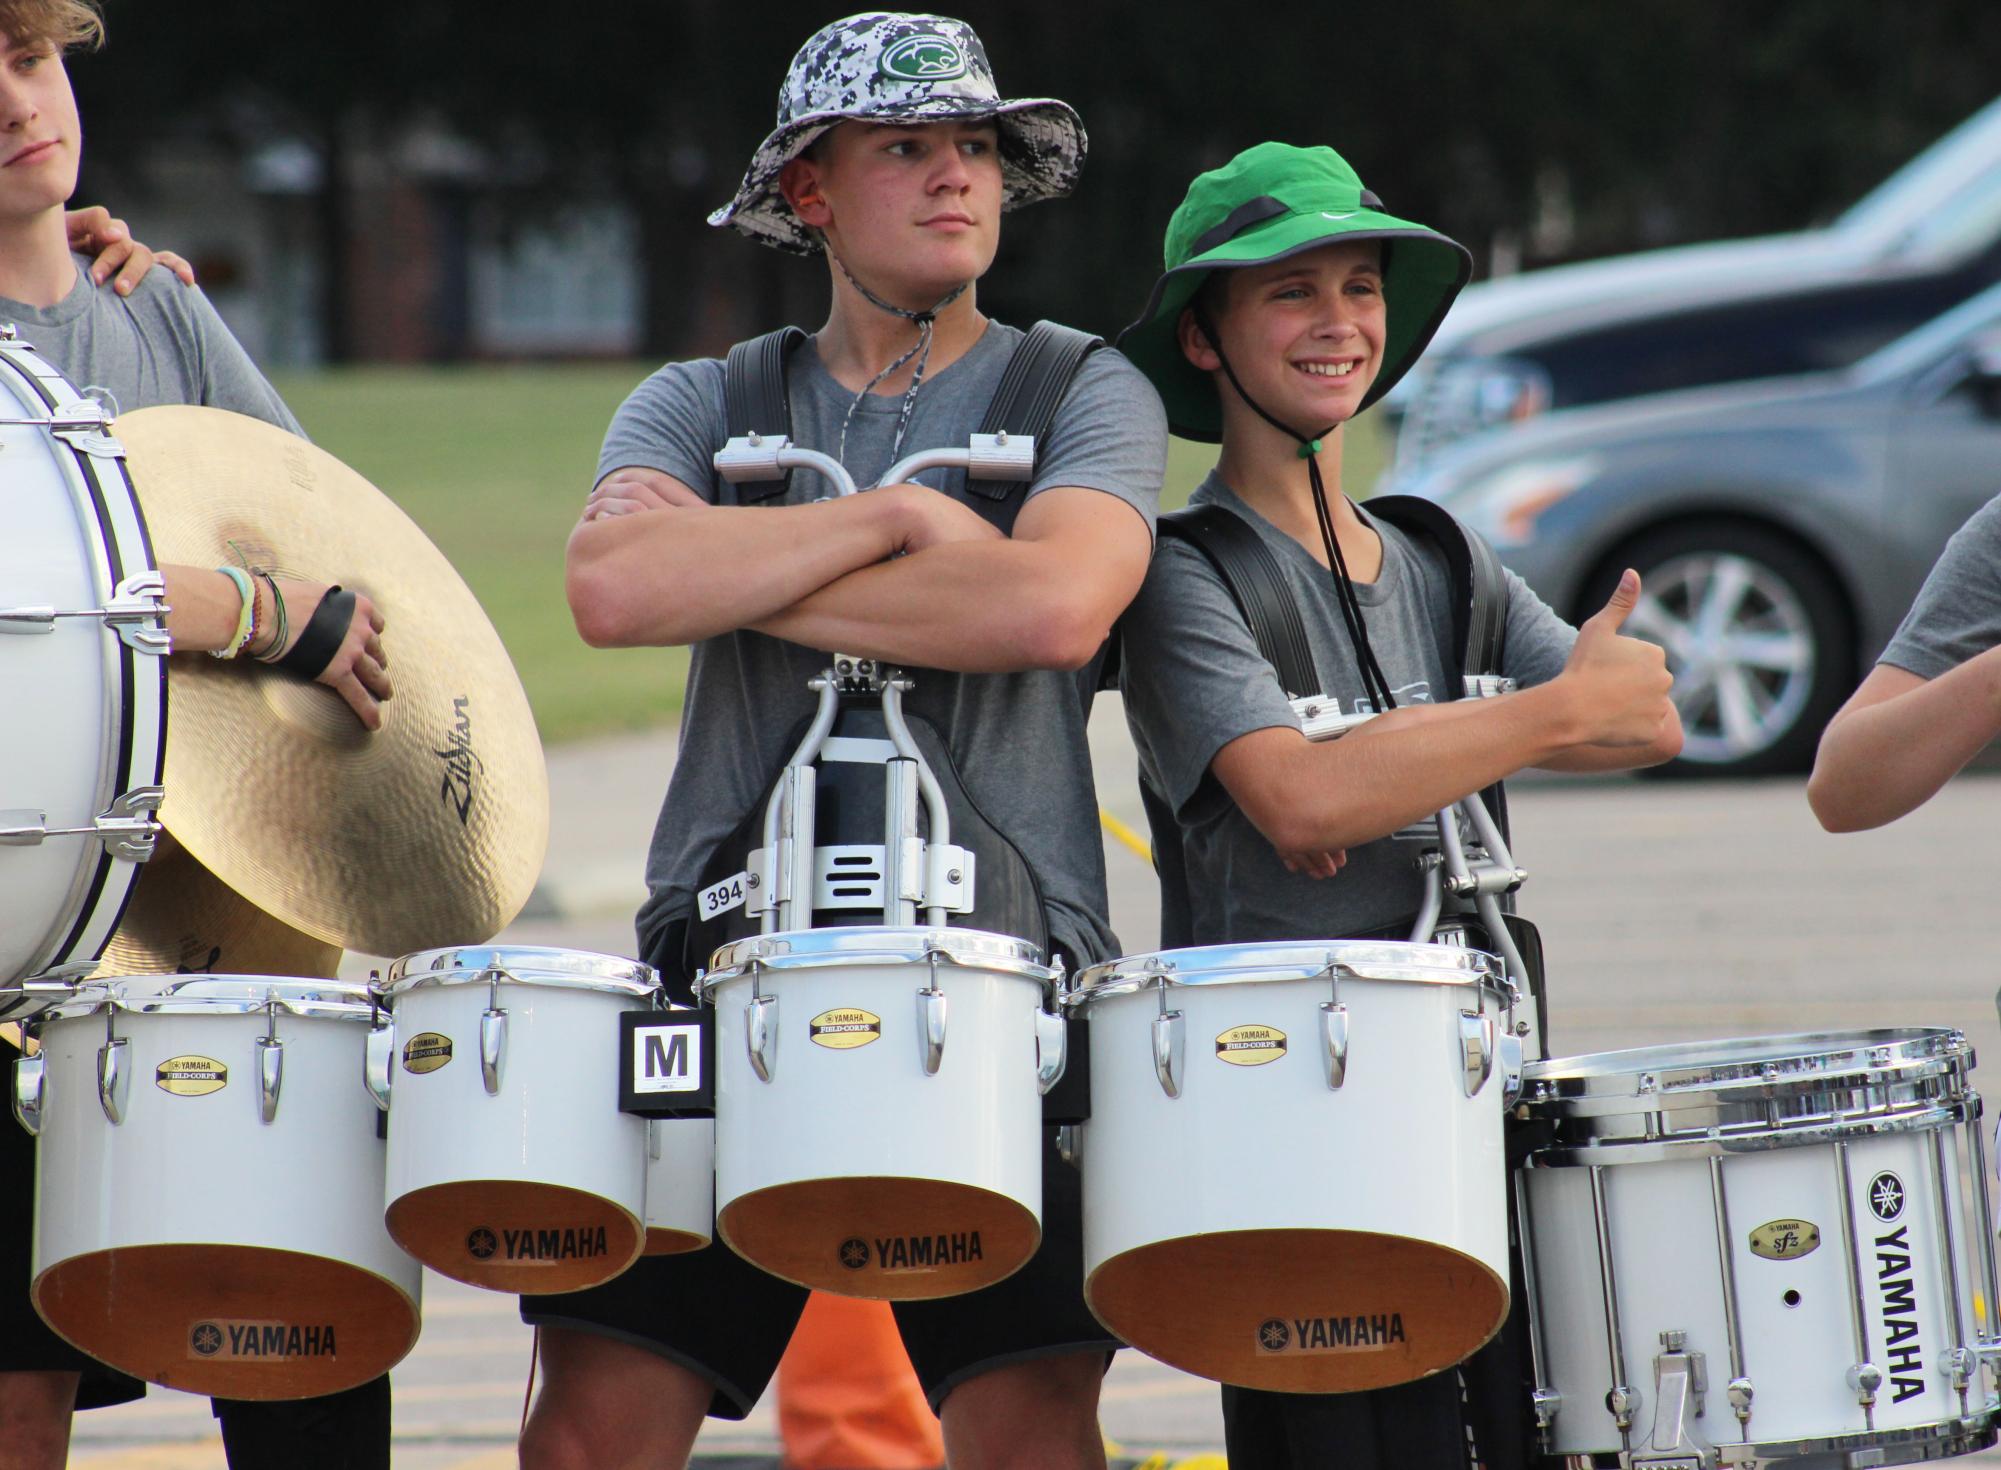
pixel 931 1007
pixel 1052 1056
pixel 1863 1380
pixel 1547 1403
pixel 492 1047
pixel 1509 1052
pixel 760 1034
pixel 1334 1042
pixel 28 1074
pixel 114 1079
pixel 1741 1392
pixel 1170 1048
pixel 1476 1049
pixel 270 1076
pixel 379 1064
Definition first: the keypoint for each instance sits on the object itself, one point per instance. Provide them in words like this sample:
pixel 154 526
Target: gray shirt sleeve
pixel 1958 611
pixel 224 376
pixel 1193 678
pixel 671 422
pixel 1109 434
pixel 1538 641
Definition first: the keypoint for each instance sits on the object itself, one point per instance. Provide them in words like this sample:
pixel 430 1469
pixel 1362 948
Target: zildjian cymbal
pixel 182 919
pixel 428 832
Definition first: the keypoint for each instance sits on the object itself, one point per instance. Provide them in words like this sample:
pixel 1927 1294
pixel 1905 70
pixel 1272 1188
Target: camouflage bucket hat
pixel 892 68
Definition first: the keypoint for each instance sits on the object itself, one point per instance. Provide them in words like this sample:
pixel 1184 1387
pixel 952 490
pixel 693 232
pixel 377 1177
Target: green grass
pixel 494 464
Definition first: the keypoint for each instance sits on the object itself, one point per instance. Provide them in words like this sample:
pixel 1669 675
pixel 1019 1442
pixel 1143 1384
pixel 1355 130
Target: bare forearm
pixel 1881 760
pixel 683 574
pixel 974 607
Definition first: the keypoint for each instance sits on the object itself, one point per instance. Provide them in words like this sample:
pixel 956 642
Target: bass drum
pixel 80 778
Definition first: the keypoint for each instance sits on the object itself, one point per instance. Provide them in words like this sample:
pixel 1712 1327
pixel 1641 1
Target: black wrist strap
pixel 322 636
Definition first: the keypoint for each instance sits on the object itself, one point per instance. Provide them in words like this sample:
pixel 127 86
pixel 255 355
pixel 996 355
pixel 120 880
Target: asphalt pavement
pixel 1671 911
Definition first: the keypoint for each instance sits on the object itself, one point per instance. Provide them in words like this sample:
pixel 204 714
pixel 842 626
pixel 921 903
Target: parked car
pixel 1781 527
pixel 1926 239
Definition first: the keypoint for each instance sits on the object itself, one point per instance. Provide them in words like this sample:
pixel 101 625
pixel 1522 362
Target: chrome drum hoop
pixel 862 945
pixel 485 964
pixel 1920 1443
pixel 1245 964
pixel 215 995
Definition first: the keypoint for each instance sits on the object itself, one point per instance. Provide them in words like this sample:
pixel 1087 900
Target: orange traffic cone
pixel 848 1398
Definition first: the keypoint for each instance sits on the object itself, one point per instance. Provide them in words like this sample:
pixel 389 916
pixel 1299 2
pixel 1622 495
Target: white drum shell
pixel 207 1169
pixel 680 1183
pixel 555 1119
pixel 872 1111
pixel 70 531
pixel 1399 1149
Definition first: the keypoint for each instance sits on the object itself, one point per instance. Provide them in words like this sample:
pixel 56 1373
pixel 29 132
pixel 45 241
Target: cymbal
pixel 429 832
pixel 182 919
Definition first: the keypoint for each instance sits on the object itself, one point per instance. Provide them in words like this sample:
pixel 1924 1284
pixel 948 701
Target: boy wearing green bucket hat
pixel 1291 301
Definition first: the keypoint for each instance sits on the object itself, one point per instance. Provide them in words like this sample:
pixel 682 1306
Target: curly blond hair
pixel 65 24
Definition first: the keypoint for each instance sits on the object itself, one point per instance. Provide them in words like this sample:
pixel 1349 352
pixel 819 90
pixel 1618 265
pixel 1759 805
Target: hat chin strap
pixel 921 350
pixel 1374 684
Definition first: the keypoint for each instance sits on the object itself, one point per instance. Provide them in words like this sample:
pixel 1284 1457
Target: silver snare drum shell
pixel 1803 1221
pixel 89 761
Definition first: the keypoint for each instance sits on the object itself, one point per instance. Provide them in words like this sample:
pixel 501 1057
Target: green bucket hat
pixel 1267 203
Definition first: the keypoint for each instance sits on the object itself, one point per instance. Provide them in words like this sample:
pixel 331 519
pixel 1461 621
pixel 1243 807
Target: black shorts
pixel 715 1314
pixel 26 1343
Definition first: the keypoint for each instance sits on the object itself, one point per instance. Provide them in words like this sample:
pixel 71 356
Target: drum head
pixel 852 1236
pixel 1300 1311
pixel 240 1322
pixel 516 1235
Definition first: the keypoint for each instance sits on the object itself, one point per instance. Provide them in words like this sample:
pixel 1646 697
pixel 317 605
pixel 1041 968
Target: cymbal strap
pixel 321 638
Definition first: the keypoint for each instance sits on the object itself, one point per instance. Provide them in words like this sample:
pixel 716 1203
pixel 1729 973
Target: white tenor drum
pixel 1293 1169
pixel 878 1106
pixel 680 1184
pixel 1739 1251
pixel 80 637
pixel 510 1165
pixel 208 1185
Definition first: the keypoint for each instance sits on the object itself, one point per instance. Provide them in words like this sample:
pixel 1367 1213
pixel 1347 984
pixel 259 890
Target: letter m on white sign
pixel 667 1059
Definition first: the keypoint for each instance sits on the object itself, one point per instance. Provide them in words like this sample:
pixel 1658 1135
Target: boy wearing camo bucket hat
pixel 1292 300
pixel 894 155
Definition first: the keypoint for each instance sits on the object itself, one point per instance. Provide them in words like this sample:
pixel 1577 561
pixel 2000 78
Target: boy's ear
pixel 1195 343
pixel 799 182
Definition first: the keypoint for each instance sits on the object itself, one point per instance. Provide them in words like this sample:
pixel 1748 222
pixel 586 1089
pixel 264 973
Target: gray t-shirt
pixel 1958 611
pixel 1018 740
pixel 162 344
pixel 1194 681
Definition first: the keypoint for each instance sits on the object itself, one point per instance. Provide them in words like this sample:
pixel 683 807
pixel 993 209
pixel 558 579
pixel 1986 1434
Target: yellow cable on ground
pixel 1132 841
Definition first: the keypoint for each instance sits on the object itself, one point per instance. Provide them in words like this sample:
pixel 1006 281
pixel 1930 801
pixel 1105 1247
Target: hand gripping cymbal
pixel 430 831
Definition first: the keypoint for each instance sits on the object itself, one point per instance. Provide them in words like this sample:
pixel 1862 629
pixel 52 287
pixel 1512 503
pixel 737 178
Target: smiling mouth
pixel 1326 369
pixel 32 151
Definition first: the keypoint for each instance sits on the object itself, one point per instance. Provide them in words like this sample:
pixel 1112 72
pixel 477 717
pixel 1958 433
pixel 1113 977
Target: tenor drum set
pixel 1296 1156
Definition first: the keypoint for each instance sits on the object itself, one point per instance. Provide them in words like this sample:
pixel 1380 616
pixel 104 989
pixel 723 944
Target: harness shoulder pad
pixel 1031 389
pixel 1256 584
pixel 755 401
pixel 1479 587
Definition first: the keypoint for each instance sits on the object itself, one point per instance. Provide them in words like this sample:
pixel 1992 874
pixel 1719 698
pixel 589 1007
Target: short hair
pixel 64 24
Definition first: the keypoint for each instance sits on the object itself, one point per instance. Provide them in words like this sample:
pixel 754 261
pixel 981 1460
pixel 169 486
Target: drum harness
pixel 796 862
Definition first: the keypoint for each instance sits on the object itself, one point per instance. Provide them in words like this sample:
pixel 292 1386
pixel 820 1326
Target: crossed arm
pixel 1900 738
pixel 902 573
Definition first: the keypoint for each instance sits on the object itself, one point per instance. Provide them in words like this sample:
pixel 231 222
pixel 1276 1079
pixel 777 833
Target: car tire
pixel 1760 639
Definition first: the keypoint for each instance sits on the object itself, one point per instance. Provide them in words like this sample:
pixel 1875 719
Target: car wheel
pixel 1758 637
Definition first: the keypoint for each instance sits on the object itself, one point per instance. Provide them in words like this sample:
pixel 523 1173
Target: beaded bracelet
pixel 246 620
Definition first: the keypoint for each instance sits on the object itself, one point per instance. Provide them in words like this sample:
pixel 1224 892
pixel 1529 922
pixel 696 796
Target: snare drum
pixel 878 1106
pixel 510 1164
pixel 1293 1169
pixel 1789 1235
pixel 209 1182
pixel 80 770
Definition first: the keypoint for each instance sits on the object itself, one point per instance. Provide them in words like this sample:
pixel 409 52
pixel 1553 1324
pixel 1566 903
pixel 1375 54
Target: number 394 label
pixel 723 897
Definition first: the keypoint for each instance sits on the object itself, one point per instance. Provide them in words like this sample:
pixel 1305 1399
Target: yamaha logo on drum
pixel 913 1252
pixel 537 1246
pixel 191 1076
pixel 481 1243
pixel 854 1253
pixel 220 1339
pixel 1358 1334
pixel 426 1052
pixel 1785 1240
pixel 1897 1293
pixel 1250 1046
pixel 845 1028
pixel 1886 1196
